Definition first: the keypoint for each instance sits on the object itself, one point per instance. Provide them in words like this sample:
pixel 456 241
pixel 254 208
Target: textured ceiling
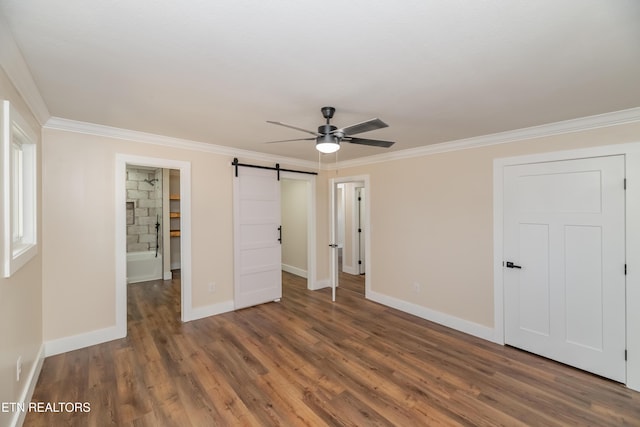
pixel 435 70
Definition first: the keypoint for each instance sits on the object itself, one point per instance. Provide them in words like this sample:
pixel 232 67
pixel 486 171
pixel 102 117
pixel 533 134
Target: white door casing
pixel 564 224
pixel 257 250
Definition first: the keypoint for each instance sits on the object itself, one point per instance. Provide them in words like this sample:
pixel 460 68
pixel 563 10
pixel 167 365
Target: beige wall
pixel 78 269
pixel 20 296
pixel 294 223
pixel 432 222
pixel 79 189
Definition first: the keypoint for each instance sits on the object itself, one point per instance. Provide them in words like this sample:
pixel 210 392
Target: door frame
pixel 333 223
pixel 122 160
pixel 631 151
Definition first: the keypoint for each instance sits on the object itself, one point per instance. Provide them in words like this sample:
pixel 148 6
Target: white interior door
pixel 564 295
pixel 257 250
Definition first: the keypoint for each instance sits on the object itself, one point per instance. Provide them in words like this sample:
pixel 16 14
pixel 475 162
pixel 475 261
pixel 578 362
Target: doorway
pixel 350 198
pixel 145 218
pixel 308 181
pixel 295 228
pixel 353 195
pixel 184 169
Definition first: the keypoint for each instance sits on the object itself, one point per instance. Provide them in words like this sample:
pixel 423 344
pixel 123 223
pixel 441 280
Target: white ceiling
pixel 434 70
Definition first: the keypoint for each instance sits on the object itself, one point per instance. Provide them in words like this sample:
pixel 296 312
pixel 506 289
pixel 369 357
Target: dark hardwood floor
pixel 348 282
pixel 306 361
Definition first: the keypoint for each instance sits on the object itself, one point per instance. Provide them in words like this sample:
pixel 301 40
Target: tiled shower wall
pixel 146 195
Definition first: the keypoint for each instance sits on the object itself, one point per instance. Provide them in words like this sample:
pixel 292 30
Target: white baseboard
pixel 209 310
pixel 29 387
pixel 350 269
pixel 63 345
pixel 447 320
pixel 75 342
pixel 143 278
pixel 168 275
pixel 294 270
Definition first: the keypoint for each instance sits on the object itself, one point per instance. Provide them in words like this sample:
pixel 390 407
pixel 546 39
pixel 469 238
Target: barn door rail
pixel 277 168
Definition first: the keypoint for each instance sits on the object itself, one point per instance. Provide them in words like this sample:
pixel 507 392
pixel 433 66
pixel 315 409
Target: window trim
pixel 17 134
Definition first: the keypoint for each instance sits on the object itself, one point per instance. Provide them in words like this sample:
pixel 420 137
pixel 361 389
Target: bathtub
pixel 143 266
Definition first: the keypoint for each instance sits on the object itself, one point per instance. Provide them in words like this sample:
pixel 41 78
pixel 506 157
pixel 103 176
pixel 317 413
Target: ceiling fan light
pixel 327 147
pixel 327 144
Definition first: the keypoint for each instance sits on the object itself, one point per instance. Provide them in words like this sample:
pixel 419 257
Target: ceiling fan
pixel 328 136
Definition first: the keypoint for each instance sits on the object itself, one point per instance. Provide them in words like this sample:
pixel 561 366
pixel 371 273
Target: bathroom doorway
pixel 159 241
pixel 145 218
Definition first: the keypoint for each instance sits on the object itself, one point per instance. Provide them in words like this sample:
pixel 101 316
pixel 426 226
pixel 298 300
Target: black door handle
pixel 280 234
pixel 512 265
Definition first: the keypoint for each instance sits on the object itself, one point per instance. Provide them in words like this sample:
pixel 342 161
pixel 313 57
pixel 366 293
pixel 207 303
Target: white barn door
pixel 564 246
pixel 257 249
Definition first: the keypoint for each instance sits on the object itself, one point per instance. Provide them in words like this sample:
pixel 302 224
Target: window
pixel 19 188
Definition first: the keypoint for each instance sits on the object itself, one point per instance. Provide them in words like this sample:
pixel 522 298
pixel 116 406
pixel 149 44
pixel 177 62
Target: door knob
pixel 512 265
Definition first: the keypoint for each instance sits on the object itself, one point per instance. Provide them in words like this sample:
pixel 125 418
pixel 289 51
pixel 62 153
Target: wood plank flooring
pixel 308 362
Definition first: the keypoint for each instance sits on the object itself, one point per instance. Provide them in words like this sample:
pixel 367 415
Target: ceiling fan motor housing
pixel 326 129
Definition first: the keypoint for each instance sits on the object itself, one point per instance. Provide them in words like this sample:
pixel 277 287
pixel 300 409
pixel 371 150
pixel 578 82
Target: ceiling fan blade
pixel 371 142
pixel 289 140
pixel 366 126
pixel 294 127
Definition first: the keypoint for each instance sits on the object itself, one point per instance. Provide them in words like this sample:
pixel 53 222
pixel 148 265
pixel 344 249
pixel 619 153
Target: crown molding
pixel 57 123
pixel 631 115
pixel 17 70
